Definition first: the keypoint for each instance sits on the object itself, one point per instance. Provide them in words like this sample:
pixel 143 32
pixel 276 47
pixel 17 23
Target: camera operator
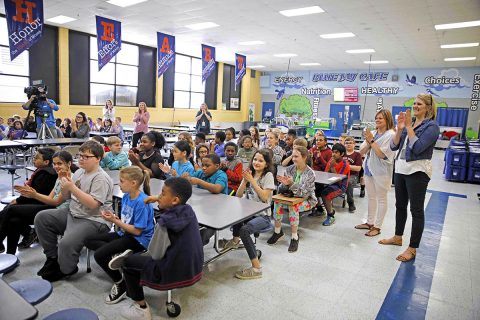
pixel 43 110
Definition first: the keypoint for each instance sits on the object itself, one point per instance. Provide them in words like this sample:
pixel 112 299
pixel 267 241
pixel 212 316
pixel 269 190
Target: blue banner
pixel 109 40
pixel 24 23
pixel 240 68
pixel 208 61
pixel 166 52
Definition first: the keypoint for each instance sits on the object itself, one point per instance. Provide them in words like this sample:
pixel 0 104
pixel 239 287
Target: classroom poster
pixel 24 23
pixel 166 52
pixel 109 40
pixel 208 61
pixel 240 68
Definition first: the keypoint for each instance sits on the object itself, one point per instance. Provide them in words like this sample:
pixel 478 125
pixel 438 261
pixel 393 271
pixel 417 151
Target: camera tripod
pixel 44 132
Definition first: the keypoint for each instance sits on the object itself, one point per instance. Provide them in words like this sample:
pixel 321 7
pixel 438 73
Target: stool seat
pixel 32 290
pixel 8 262
pixel 72 314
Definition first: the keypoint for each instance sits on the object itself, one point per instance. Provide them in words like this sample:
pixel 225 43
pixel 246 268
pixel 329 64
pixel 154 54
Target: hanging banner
pixel 24 23
pixel 208 61
pixel 166 52
pixel 109 40
pixel 240 68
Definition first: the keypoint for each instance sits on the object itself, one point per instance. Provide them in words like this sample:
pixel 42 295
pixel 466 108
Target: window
pixel 189 89
pixel 118 80
pixel 14 75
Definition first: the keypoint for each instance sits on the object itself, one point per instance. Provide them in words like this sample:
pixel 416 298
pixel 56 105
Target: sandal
pixel 365 226
pixel 407 255
pixel 373 232
pixel 392 241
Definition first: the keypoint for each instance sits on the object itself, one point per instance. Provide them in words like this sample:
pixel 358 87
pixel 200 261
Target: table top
pixel 45 142
pixel 10 144
pixel 13 306
pixel 102 134
pixel 321 177
pixel 167 128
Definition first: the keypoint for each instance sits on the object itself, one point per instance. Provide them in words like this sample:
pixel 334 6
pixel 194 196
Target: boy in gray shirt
pixel 90 190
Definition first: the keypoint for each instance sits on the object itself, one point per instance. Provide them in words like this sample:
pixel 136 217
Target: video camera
pixel 39 90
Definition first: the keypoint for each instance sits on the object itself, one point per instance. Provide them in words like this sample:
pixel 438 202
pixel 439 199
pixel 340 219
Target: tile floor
pixel 337 273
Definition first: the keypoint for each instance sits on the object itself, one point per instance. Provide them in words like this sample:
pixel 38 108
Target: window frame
pixel 191 74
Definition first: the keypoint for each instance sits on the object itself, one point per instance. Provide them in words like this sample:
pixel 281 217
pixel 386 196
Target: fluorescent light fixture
pixel 457 25
pixel 360 51
pixel 125 3
pixel 285 55
pixel 309 64
pixel 376 62
pixel 337 35
pixel 251 43
pixel 460 59
pixel 301 11
pixel 459 45
pixel 202 25
pixel 256 67
pixel 61 19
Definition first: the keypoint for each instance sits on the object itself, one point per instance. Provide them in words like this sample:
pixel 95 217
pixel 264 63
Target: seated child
pixel 17 132
pixel 200 152
pixel 181 153
pixel 219 146
pixel 181 265
pixel 135 228
pixel 336 165
pixel 287 161
pixel 200 138
pixel 354 159
pixel 233 167
pixel 116 158
pixel 247 149
pixel 148 156
pixel 90 189
pixel 118 128
pixel 101 140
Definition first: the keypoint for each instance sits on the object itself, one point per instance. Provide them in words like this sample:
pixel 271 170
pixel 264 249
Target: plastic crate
pixel 460 143
pixel 456 157
pixel 474 158
pixel 473 175
pixel 455 173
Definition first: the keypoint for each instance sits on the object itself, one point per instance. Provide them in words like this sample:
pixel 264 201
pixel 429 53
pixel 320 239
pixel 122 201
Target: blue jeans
pixel 245 229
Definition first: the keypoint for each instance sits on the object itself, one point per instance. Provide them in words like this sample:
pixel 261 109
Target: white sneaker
pixel 117 262
pixel 134 312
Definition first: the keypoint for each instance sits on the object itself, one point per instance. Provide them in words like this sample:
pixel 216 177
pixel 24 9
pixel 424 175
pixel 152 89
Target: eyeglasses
pixel 84 156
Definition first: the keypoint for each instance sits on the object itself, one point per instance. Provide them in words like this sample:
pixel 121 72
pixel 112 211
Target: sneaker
pixel 50 264
pixel 248 274
pixel 28 240
pixel 57 275
pixel 117 262
pixel 117 293
pixel 329 221
pixel 275 237
pixel 317 212
pixel 293 247
pixel 362 193
pixel 351 208
pixel 135 312
pixel 231 245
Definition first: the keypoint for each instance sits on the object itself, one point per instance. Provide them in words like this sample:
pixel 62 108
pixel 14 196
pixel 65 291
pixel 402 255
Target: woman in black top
pixel 148 156
pixel 203 119
pixel 66 127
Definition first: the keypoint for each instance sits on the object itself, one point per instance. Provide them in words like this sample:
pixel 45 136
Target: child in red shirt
pixel 321 154
pixel 233 167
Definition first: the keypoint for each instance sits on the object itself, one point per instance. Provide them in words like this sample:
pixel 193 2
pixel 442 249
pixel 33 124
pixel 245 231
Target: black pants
pixel 411 188
pixel 132 270
pixel 108 244
pixel 136 137
pixel 16 220
pixel 245 229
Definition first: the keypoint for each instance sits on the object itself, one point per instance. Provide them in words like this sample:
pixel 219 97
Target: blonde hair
pixel 300 142
pixel 140 104
pixel 113 140
pixel 134 173
pixel 427 98
pixel 387 115
pixel 188 136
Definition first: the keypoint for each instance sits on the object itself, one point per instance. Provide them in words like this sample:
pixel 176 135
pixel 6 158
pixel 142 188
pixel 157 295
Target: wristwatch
pixel 372 141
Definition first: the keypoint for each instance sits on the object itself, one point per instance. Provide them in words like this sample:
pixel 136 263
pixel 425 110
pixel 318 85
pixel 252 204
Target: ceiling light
pixel 202 25
pixel 376 62
pixel 457 25
pixel 251 43
pixel 459 45
pixel 125 3
pixel 337 35
pixel 310 64
pixel 301 11
pixel 285 55
pixel 61 19
pixel 460 59
pixel 256 67
pixel 360 51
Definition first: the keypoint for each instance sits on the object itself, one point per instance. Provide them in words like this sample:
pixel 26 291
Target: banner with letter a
pixel 24 23
pixel 208 61
pixel 240 68
pixel 166 52
pixel 109 40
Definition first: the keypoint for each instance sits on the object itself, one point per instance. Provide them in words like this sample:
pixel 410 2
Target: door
pixel 268 110
pixel 343 121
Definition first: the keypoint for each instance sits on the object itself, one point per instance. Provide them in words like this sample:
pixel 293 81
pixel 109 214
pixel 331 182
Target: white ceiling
pixel 401 31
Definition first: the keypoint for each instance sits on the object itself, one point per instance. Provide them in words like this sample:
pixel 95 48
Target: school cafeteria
pixel 247 159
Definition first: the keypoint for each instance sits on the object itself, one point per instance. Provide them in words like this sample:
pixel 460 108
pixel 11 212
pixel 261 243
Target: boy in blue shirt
pixel 210 177
pixel 117 158
pixel 219 148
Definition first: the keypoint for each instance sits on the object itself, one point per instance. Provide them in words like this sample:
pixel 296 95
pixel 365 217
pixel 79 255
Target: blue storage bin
pixel 455 173
pixel 454 142
pixel 474 158
pixel 473 175
pixel 456 157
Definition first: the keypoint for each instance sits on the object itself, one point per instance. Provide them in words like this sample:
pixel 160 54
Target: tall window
pixel 118 80
pixel 189 89
pixel 14 75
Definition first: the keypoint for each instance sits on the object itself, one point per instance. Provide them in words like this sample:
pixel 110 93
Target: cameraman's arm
pixel 52 104
pixel 26 105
